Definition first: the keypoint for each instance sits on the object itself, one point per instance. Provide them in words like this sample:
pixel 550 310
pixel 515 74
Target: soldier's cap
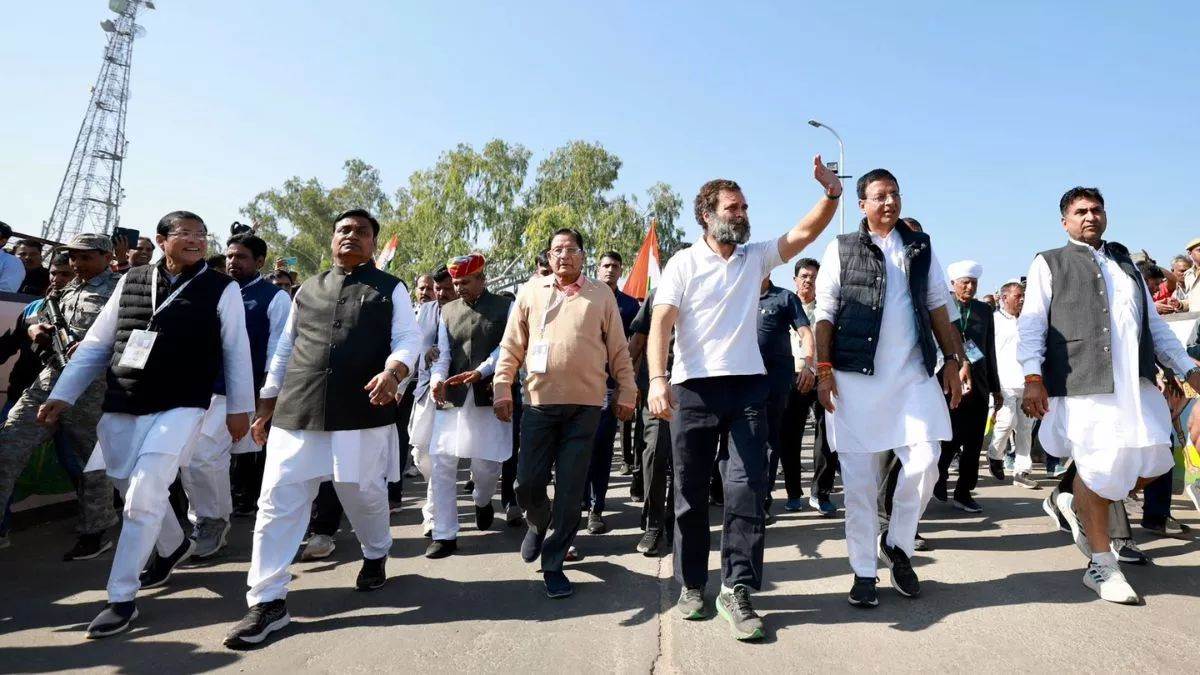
pixel 1192 244
pixel 89 241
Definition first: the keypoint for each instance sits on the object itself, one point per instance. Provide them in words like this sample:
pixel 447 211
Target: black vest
pixel 1078 357
pixel 860 309
pixel 475 330
pixel 342 325
pixel 187 354
pixel 256 299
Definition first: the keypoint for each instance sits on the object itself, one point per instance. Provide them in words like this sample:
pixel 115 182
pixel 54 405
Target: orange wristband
pixel 1033 378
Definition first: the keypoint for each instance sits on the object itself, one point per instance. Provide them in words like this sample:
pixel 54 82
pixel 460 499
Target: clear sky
pixel 986 112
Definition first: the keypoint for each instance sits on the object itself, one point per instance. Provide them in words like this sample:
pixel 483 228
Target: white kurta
pixel 467 431
pixel 1135 414
pixel 122 437
pixel 350 456
pixel 420 422
pixel 277 314
pixel 900 404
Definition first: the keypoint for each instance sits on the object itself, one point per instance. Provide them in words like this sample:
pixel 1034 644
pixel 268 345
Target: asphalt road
pixel 1002 592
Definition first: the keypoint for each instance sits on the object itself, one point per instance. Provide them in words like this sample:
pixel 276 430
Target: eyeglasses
pixel 188 234
pixel 882 199
pixel 564 252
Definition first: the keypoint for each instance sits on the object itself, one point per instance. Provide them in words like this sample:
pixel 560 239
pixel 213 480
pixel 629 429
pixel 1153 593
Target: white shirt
pixel 1007 339
pixel 277 314
pixel 94 353
pixel 428 318
pixel 12 272
pixel 716 333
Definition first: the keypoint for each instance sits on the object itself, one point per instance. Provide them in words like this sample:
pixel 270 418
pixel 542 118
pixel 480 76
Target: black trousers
pixel 656 469
pixel 777 401
pixel 708 408
pixel 508 470
pixel 967 421
pixel 825 461
pixel 326 511
pixel 600 468
pixel 1157 505
pixel 405 405
pixel 245 478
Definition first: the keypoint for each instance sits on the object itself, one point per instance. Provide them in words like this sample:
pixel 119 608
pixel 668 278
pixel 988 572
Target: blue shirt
pixel 628 306
pixel 779 311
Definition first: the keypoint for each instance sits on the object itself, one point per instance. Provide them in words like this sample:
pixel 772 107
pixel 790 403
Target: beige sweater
pixel 585 335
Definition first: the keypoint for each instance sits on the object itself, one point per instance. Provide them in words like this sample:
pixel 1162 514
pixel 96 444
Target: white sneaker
pixel 1110 584
pixel 319 546
pixel 1193 493
pixel 1065 503
pixel 412 471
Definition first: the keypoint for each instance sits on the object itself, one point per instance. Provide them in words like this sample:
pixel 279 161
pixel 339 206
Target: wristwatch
pixel 954 357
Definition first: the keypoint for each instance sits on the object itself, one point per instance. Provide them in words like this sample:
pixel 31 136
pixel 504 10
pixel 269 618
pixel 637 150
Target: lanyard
pixel 174 294
pixel 256 280
pixel 556 298
pixel 964 317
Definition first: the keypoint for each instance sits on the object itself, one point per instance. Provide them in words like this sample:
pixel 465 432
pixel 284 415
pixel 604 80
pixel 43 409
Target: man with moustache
pixel 348 347
pixel 1012 424
pixel 142 253
pixel 425 291
pixel 881 299
pixel 164 337
pixel 717 385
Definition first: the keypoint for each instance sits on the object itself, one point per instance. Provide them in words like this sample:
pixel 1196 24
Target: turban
pixel 465 265
pixel 964 268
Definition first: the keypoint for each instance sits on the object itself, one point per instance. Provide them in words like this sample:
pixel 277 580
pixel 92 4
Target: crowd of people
pixel 200 381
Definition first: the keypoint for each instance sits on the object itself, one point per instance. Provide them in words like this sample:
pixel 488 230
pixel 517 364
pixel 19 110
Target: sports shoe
pixel 939 491
pixel 1010 462
pixel 531 546
pixel 1110 584
pixel 904 579
pixel 734 606
pixel 794 504
pixel 557 585
pixel 1056 519
pixel 967 504
pixel 484 515
pixel 88 546
pixel 1170 527
pixel 823 505
pixel 395 507
pixel 412 471
pixel 114 618
pixel 1065 503
pixel 572 555
pixel 626 470
pixel 650 541
pixel 1022 479
pixel 262 620
pixel 209 535
pixel 441 548
pixel 469 486
pixel 512 514
pixel 596 524
pixel 1059 470
pixel 919 543
pixel 159 569
pixel 319 546
pixel 691 604
pixel 996 467
pixel 863 593
pixel 1192 490
pixel 372 575
pixel 1127 551
pixel 244 510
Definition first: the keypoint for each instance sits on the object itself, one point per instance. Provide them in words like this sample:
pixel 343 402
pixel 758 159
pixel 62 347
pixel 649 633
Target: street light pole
pixel 841 170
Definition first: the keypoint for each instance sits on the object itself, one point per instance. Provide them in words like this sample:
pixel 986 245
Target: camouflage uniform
pixel 21 434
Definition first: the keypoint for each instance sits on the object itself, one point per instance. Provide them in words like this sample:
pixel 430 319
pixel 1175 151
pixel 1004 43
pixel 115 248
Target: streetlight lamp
pixel 841 167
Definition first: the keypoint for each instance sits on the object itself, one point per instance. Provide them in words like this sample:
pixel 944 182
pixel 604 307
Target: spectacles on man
pixel 188 234
pixel 565 251
pixel 882 199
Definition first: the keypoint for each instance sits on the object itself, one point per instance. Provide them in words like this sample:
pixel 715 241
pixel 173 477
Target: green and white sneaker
pixel 691 604
pixel 734 606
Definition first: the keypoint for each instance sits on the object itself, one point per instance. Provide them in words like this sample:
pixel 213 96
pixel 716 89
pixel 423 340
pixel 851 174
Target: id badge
pixel 539 357
pixel 137 349
pixel 974 354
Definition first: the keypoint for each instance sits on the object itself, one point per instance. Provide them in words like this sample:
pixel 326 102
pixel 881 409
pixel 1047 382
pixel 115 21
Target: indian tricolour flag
pixel 384 257
pixel 643 276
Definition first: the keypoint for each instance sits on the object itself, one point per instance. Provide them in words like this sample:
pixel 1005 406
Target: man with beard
pixel 881 298
pixel 608 272
pixel 1011 422
pixel 968 420
pixel 166 334
pixel 717 385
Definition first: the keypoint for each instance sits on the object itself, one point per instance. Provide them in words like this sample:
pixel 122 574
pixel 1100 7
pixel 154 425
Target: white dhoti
pixel 1012 423
pixel 206 474
pixel 359 462
pixel 467 432
pixel 142 454
pixel 420 434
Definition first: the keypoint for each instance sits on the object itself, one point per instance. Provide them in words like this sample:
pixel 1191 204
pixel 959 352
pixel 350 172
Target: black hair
pixel 543 258
pixel 60 259
pixel 216 261
pixel 613 255
pixel 1150 271
pixel 1078 192
pixel 441 275
pixel 283 273
pixel 27 242
pixel 507 294
pixel 258 247
pixel 872 176
pixel 171 219
pixel 5 230
pixel 359 213
pixel 569 231
pixel 805 263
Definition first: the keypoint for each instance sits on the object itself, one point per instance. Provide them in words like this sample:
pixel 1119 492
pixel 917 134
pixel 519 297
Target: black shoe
pixel 904 579
pixel 245 511
pixel 114 618
pixel 939 491
pixel 441 548
pixel 1128 552
pixel 596 524
pixel 484 515
pixel 469 487
pixel 650 542
pixel 967 504
pixel 262 620
pixel 996 467
pixel 88 546
pixel 557 585
pixel 531 546
pixel 372 574
pixel 637 490
pixel 626 470
pixel 734 606
pixel 863 593
pixel 159 569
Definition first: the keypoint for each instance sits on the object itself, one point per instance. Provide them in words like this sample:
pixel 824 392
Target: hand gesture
pixel 827 178
pixel 805 380
pixel 1036 402
pixel 259 430
pixel 382 388
pixel 238 424
pixel 469 377
pixel 660 399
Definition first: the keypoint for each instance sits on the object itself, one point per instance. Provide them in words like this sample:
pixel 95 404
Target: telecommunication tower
pixel 90 195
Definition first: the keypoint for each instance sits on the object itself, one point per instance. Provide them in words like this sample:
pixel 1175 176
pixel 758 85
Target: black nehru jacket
pixel 342 337
pixel 187 354
pixel 977 323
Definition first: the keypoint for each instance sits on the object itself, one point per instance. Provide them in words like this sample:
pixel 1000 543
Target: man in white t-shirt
pixel 709 294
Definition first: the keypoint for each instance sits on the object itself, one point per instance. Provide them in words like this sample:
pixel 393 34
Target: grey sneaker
pixel 210 534
pixel 734 606
pixel 1110 584
pixel 319 546
pixel 1065 501
pixel 1022 479
pixel 691 604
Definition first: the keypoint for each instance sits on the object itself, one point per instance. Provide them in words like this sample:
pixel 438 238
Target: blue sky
pixel 986 112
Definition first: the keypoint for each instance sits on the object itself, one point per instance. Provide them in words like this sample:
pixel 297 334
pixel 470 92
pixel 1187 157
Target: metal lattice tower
pixel 90 194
